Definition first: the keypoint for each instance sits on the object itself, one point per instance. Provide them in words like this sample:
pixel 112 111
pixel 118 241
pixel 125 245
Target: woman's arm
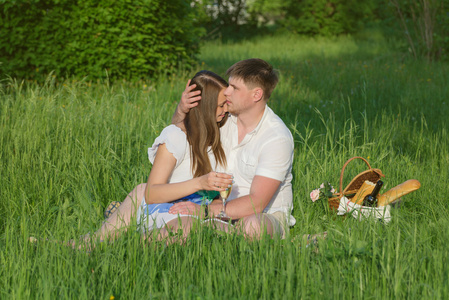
pixel 158 190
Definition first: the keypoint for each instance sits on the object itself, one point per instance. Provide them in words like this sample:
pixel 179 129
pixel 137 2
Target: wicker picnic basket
pixel 351 189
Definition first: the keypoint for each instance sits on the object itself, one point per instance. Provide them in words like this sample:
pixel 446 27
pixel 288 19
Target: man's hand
pixel 185 208
pixel 189 99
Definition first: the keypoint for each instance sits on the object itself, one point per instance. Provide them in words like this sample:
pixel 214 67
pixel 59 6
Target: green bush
pixel 228 20
pixel 424 25
pixel 327 17
pixel 97 38
pixel 442 31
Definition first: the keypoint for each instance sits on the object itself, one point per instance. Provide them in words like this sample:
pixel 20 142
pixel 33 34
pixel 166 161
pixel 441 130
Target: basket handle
pixel 343 170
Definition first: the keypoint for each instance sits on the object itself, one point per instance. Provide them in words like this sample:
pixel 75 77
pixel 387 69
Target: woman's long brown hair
pixel 201 124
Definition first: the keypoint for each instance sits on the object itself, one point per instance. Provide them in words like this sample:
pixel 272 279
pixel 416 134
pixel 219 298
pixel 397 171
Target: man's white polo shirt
pixel 266 151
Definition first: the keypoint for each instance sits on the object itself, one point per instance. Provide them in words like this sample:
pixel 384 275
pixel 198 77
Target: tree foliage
pixel 227 19
pixel 425 24
pixel 317 17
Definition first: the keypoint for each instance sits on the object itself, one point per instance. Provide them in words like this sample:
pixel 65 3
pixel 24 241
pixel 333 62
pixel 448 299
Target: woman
pixel 184 157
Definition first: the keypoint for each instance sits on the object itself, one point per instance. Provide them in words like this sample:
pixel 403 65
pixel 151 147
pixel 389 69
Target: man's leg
pixel 254 226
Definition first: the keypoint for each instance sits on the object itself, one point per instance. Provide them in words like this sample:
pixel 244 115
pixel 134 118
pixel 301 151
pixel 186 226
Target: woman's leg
pixel 116 223
pixel 113 226
pixel 185 223
pixel 121 219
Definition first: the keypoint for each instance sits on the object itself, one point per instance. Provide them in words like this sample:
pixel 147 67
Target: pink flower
pixel 333 191
pixel 315 195
pixel 322 186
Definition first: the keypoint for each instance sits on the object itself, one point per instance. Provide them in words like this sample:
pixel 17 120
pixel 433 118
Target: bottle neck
pixel 377 188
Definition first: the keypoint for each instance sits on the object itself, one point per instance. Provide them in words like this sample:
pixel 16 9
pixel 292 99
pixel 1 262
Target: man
pixel 259 151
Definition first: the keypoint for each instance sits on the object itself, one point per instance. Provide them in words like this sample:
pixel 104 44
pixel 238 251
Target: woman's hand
pixel 186 208
pixel 189 99
pixel 216 181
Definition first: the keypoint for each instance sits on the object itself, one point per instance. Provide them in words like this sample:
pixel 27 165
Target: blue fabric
pixel 165 207
pixel 208 194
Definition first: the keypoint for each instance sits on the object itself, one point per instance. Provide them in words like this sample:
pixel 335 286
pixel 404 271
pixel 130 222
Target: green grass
pixel 68 149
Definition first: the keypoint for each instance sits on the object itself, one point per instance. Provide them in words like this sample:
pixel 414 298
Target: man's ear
pixel 258 94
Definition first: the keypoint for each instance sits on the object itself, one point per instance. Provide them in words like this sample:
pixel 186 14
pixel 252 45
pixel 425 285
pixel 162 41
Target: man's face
pixel 238 96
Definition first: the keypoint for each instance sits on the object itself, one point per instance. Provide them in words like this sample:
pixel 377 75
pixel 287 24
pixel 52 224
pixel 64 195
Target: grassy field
pixel 69 148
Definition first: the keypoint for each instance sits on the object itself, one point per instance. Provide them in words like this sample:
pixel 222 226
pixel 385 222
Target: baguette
pixel 366 189
pixel 398 191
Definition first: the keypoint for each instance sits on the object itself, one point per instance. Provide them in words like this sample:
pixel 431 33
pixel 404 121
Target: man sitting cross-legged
pixel 259 151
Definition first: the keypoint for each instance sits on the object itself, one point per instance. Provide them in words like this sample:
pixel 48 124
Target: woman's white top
pixel 150 216
pixel 176 142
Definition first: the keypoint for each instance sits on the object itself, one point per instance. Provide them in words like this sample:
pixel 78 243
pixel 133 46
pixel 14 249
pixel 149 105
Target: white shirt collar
pixel 255 130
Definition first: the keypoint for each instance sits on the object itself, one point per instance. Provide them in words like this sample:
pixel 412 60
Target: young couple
pixel 193 160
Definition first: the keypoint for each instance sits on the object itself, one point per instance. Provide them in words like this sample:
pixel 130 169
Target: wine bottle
pixel 371 199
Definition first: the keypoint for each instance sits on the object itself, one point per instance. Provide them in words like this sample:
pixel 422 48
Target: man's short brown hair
pixel 255 72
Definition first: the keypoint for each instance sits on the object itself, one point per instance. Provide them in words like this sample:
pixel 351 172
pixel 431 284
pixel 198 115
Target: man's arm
pixel 189 99
pixel 272 171
pixel 261 192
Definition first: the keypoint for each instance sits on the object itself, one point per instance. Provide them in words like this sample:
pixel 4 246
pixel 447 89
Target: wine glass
pixel 224 196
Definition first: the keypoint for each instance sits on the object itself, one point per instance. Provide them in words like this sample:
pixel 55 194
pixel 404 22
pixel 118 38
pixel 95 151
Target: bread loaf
pixel 366 189
pixel 398 191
